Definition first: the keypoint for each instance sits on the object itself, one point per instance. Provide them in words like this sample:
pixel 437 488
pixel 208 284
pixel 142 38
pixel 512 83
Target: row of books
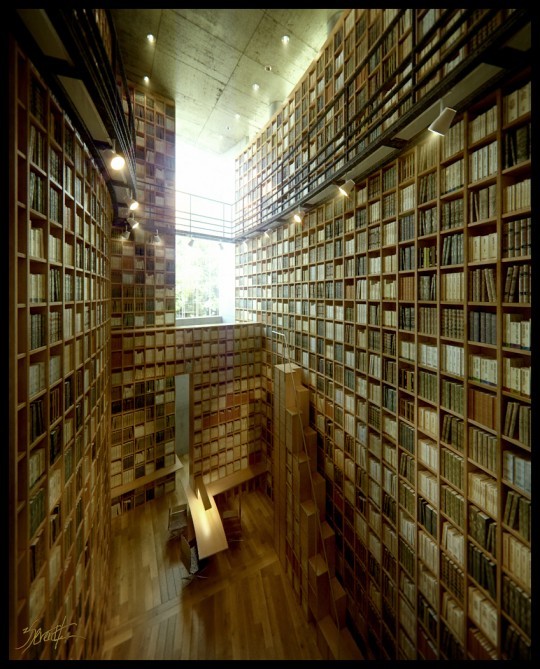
pixel 483 492
pixel 517 375
pixel 518 419
pixel 483 529
pixel 517 470
pixel 516 558
pixel 517 284
pixel 452 467
pixel 517 514
pixel 482 568
pixel 453 504
pixel 483 448
pixel 483 327
pixel 516 603
pixel 482 247
pixel 483 203
pixel 517 238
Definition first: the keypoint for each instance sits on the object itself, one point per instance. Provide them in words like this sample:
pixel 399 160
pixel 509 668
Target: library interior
pixel 289 419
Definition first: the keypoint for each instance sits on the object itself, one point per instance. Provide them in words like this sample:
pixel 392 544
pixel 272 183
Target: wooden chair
pixel 178 520
pixel 232 525
pixel 190 560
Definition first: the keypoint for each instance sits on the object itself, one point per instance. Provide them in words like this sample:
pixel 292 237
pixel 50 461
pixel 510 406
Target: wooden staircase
pixel 304 541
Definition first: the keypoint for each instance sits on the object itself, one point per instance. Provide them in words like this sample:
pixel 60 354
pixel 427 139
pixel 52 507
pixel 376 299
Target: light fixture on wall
pixel 115 160
pixel 298 216
pixel 191 242
pixel 346 188
pixel 132 204
pixel 266 234
pixel 157 238
pixel 126 233
pixel 132 222
pixel 220 245
pixel 244 245
pixel 442 123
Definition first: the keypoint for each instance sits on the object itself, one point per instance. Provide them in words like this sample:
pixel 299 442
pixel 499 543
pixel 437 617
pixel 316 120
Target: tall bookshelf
pixel 224 364
pixel 374 67
pixel 60 218
pixel 143 313
pixel 407 306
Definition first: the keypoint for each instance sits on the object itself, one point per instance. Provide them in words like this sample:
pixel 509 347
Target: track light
pixel 126 233
pixel 220 246
pixel 346 188
pixel 245 245
pixel 266 235
pixel 191 242
pixel 298 216
pixel 133 204
pixel 442 123
pixel 132 222
pixel 157 238
pixel 115 160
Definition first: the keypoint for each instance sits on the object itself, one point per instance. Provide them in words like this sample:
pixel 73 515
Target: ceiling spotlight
pixel 157 238
pixel 150 38
pixel 244 244
pixel 191 242
pixel 267 236
pixel 132 222
pixel 133 204
pixel 126 233
pixel 442 123
pixel 346 188
pixel 268 68
pixel 146 78
pixel 285 39
pixel 255 87
pixel 220 245
pixel 298 216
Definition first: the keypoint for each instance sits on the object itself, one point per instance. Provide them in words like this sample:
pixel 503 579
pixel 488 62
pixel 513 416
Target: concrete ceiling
pixel 208 59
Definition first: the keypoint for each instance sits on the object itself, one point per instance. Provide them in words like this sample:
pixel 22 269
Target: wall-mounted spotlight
pixel 157 238
pixel 346 188
pixel 191 242
pixel 220 245
pixel 442 123
pixel 132 222
pixel 132 204
pixel 266 234
pixel 245 245
pixel 115 160
pixel 298 216
pixel 126 233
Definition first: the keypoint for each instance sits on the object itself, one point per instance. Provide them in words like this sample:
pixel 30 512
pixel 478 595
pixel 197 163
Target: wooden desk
pixel 232 480
pixel 209 532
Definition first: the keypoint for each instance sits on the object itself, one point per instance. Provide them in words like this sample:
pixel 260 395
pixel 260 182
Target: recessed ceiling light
pixel 237 117
pixel 146 79
pixel 268 68
pixel 255 87
pixel 285 39
pixel 150 38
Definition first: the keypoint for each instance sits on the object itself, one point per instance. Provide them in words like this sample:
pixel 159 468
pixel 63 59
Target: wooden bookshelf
pixel 407 307
pixel 368 75
pixel 143 313
pixel 60 217
pixel 154 118
pixel 224 365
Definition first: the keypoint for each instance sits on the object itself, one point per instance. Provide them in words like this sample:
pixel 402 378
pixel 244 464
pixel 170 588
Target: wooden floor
pixel 244 610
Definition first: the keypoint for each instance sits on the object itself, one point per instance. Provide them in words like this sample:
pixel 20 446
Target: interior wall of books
pixel 224 363
pixel 367 75
pixel 60 219
pixel 143 316
pixel 154 119
pixel 408 307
